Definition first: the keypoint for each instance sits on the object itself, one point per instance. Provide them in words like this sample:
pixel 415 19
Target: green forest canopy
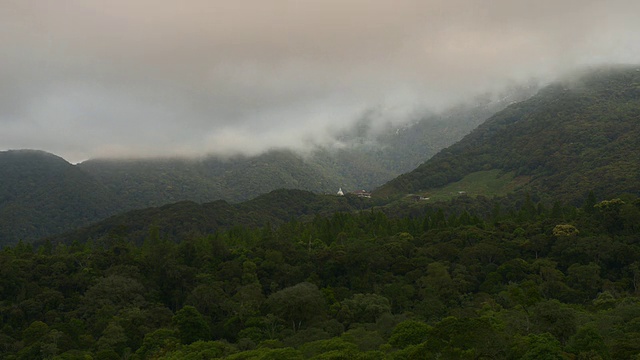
pixel 522 282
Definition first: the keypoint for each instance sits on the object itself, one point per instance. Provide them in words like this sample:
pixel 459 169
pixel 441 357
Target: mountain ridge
pixel 186 218
pixel 572 137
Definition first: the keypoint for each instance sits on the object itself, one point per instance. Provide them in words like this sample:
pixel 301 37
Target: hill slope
pixel 154 182
pixel 183 219
pixel 41 194
pixel 571 138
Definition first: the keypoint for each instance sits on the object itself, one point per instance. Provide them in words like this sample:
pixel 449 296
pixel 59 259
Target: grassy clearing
pixel 488 183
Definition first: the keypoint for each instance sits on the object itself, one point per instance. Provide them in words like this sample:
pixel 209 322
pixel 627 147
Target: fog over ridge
pixel 89 79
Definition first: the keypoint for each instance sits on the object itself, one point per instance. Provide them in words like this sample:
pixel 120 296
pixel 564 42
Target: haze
pixel 87 79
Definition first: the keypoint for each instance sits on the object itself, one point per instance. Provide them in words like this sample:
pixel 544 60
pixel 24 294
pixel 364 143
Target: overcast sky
pixel 88 78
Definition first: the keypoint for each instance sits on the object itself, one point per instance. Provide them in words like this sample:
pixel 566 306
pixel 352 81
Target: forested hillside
pixel 154 182
pixel 184 219
pixel 527 281
pixel 42 194
pixel 573 137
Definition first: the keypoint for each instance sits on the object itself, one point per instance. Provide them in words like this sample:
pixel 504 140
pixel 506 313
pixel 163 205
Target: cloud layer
pixel 142 78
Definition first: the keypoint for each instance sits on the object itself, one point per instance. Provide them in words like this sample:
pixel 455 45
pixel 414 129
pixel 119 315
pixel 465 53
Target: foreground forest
pixel 530 281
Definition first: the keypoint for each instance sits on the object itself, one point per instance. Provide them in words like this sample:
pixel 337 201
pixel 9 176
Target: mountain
pixel 154 182
pixel 186 218
pixel 578 135
pixel 364 157
pixel 42 194
pixel 396 149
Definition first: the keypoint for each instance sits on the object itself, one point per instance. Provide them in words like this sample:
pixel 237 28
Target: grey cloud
pixel 99 78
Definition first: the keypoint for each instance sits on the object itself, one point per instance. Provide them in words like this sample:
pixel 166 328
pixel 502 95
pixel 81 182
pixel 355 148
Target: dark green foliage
pixel 364 308
pixel 156 342
pixel 409 332
pixel 588 341
pixel 191 325
pixel 42 194
pixel 297 304
pixel 315 348
pixel 542 347
pixel 188 219
pixel 365 286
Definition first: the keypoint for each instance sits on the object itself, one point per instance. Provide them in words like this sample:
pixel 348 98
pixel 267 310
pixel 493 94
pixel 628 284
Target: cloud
pixel 114 78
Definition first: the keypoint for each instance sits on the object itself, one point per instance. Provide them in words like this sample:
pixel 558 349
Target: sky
pixel 114 78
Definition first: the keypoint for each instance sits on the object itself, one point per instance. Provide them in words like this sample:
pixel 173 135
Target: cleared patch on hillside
pixel 488 183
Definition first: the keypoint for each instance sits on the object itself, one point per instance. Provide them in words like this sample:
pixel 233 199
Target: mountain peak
pixel 30 154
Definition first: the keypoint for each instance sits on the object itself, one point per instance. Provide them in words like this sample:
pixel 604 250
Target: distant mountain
pixel 42 194
pixel 575 136
pixel 363 159
pixel 153 182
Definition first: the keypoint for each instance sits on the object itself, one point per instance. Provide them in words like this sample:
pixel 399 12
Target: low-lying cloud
pixel 158 78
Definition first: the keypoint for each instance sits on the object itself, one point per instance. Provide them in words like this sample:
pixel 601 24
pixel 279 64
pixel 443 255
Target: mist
pixel 87 79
